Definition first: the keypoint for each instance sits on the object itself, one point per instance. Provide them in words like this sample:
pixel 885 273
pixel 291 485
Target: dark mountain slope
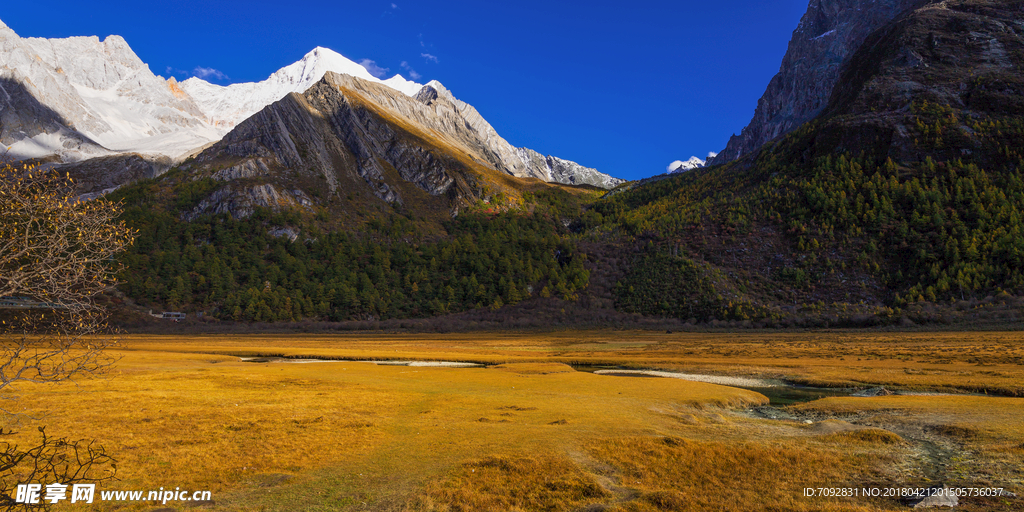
pixel 829 34
pixel 350 146
pixel 905 192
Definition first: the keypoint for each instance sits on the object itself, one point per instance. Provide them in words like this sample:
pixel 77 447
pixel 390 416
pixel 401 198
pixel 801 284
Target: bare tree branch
pixel 57 255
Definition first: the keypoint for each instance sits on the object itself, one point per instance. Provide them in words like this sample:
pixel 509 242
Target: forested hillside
pixel 907 193
pixel 283 266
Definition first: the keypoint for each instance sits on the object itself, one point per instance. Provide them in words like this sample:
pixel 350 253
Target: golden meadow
pixel 529 432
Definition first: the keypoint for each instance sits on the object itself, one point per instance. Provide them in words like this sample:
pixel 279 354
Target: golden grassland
pixel 531 433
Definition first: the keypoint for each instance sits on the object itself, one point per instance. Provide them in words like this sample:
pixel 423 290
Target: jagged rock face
pixel 557 170
pixel 100 175
pixel 348 135
pixel 965 55
pixel 241 201
pixel 828 35
pixel 520 162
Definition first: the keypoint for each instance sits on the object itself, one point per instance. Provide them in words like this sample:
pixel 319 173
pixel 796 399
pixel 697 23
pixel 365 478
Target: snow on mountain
pixel 226 106
pixel 78 98
pixel 81 97
pixel 689 165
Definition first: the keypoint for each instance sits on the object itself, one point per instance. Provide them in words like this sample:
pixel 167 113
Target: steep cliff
pixel 826 38
pixel 928 85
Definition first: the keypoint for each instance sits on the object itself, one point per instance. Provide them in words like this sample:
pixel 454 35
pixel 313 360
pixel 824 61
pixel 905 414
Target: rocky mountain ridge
pixel 828 35
pixel 520 162
pixel 226 106
pixel 81 97
pixel 347 140
pixel 65 101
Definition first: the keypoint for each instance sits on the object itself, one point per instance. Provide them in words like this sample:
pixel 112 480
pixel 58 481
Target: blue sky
pixel 625 87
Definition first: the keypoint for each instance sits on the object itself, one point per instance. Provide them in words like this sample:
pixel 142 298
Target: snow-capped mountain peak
pixel 77 98
pixel 226 106
pixel 315 64
pixel 689 165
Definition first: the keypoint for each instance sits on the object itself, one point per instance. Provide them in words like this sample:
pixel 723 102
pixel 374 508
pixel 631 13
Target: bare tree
pixel 57 255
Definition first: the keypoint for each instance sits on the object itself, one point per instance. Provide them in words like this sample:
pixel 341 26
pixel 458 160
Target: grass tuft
pixel 868 435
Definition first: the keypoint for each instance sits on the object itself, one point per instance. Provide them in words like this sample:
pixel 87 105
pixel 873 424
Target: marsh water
pixel 779 393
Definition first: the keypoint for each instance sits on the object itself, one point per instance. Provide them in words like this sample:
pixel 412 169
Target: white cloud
pixel 412 72
pixel 172 71
pixel 373 68
pixel 394 6
pixel 712 154
pixel 205 73
pixel 429 57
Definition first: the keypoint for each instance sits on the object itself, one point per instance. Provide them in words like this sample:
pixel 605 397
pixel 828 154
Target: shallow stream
pixel 779 393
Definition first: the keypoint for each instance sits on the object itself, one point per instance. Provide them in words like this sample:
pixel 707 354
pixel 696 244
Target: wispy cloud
pixel 394 6
pixel 429 57
pixel 412 72
pixel 205 73
pixel 373 68
pixel 172 71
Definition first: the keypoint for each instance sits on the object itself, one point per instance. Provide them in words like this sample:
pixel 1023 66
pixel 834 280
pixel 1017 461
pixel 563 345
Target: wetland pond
pixel 779 393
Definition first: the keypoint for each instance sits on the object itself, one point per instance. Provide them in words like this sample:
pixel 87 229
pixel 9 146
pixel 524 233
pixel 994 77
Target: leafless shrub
pixel 56 256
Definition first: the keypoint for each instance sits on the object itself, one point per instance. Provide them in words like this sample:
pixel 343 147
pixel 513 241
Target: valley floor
pixel 529 430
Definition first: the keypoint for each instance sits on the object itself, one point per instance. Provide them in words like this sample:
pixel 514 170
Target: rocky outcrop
pixel 241 201
pixel 110 172
pixel 556 170
pixel 827 37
